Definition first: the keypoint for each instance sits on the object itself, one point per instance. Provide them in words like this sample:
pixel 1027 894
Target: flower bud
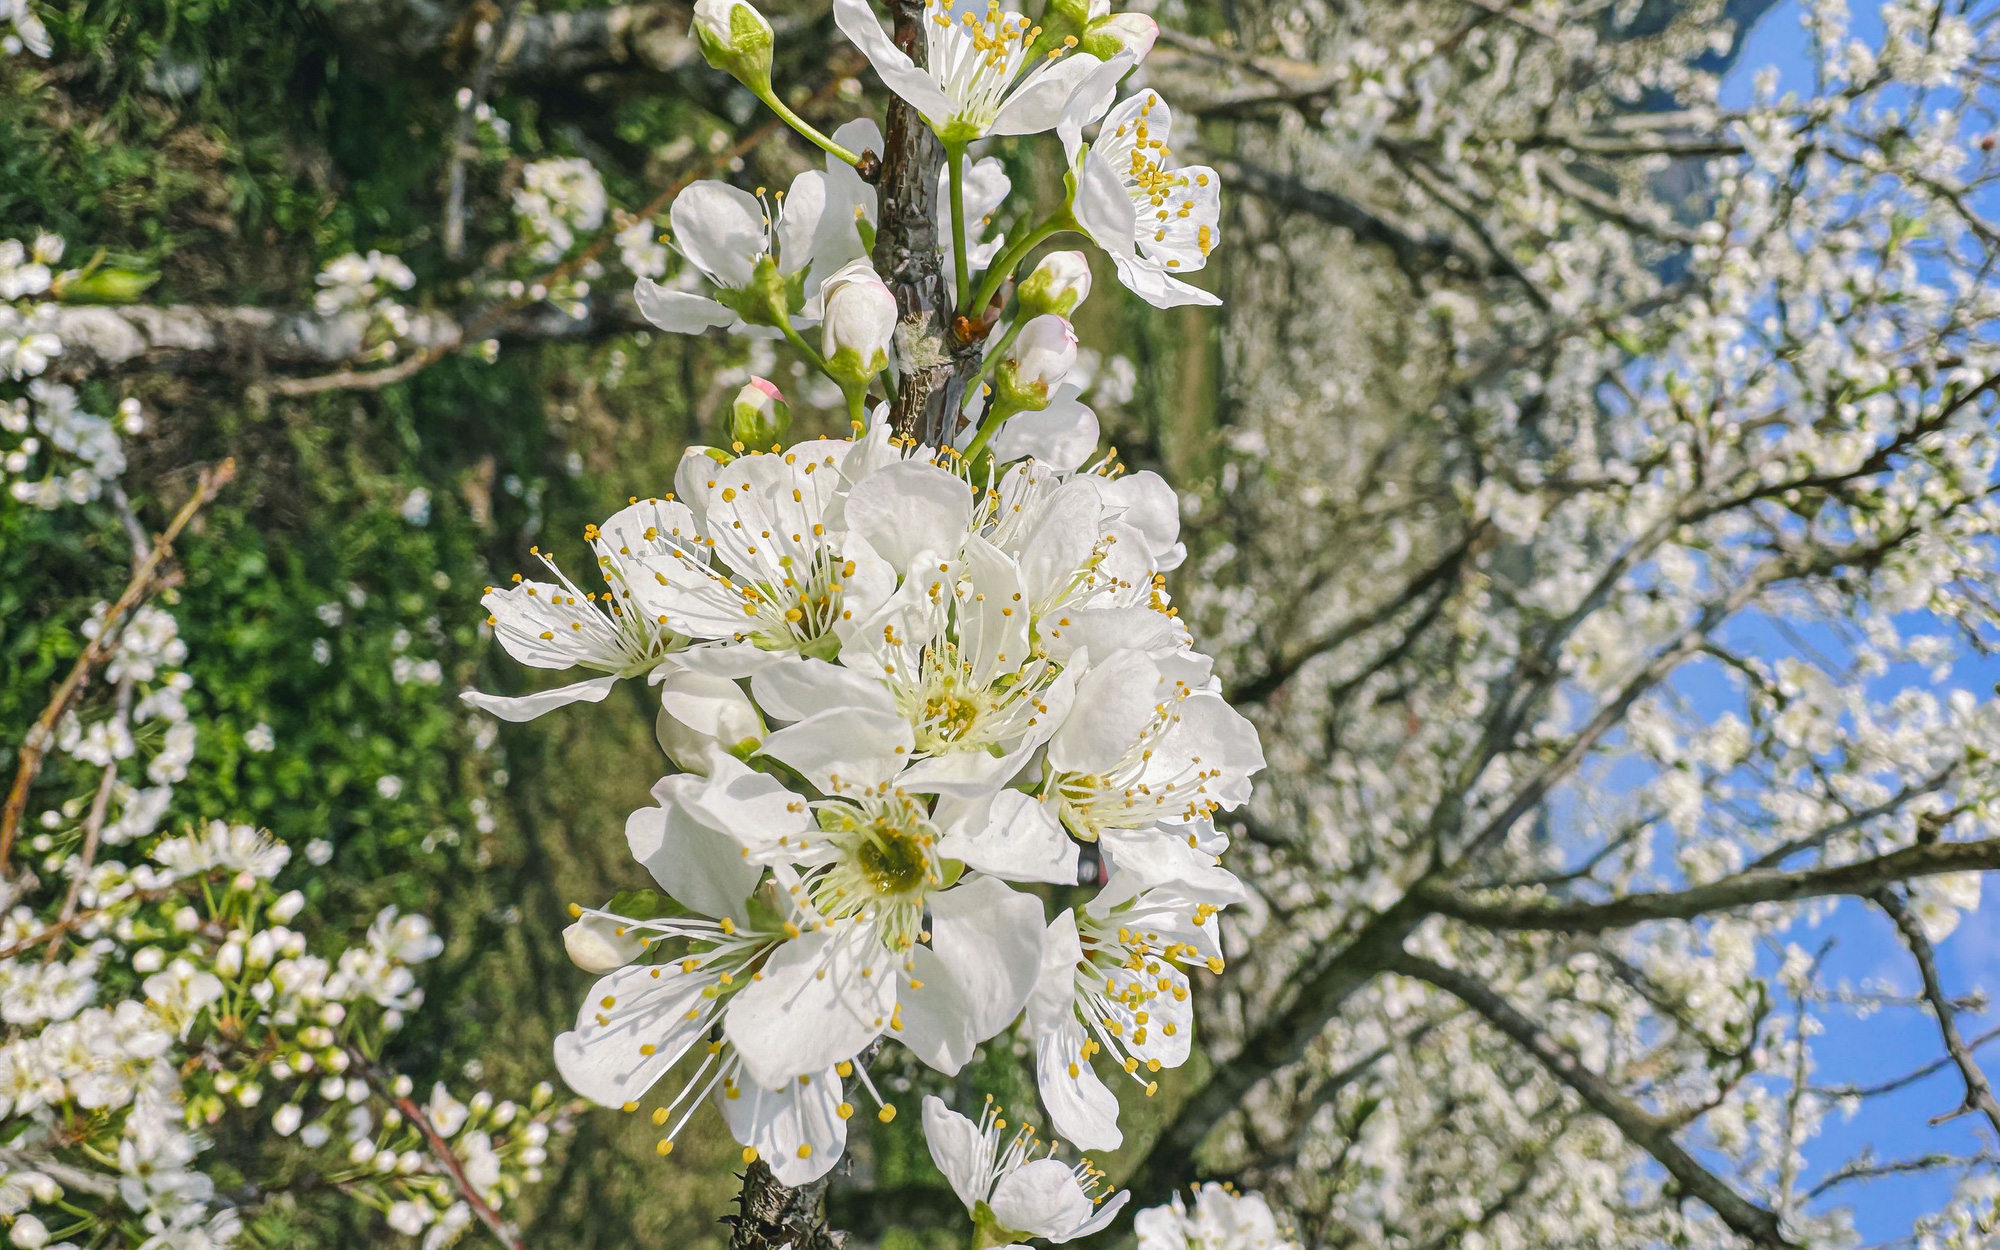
pixel 1036 363
pixel 286 1119
pixel 735 38
pixel 29 1233
pixel 860 323
pixel 595 945
pixel 1114 33
pixel 759 416
pixel 286 906
pixel 698 711
pixel 1058 285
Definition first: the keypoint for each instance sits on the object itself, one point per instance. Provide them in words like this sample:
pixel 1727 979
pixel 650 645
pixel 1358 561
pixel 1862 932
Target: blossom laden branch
pixel 144 582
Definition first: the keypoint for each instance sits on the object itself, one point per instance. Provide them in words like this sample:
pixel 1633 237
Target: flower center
pixel 894 862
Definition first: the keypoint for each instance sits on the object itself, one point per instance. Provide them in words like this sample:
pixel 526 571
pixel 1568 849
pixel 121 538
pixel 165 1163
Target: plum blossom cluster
pixel 556 201
pixel 188 953
pixel 898 701
pixel 907 685
pixel 1222 1219
pixel 27 29
pixel 365 288
pixel 53 452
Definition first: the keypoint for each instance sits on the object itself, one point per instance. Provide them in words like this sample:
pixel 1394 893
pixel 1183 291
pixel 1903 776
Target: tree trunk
pixel 770 1216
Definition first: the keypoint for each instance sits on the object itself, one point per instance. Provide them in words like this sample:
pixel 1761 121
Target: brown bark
pixel 770 1216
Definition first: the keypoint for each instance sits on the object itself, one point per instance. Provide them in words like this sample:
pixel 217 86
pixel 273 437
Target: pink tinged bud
pixel 759 415
pixel 1058 285
pixel 1135 33
pixel 1038 361
pixel 859 325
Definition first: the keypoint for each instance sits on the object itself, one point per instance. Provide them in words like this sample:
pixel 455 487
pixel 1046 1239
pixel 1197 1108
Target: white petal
pixel 798 1020
pixel 937 1026
pixel 958 1148
pixel 1145 502
pixel 678 312
pixel 857 21
pixel 793 692
pixel 732 660
pixel 1037 103
pixel 700 867
pixel 1088 99
pixel 799 221
pixel 990 939
pixel 1107 1211
pixel 720 229
pixel 1103 208
pixel 842 749
pixel 650 1005
pixel 1012 836
pixel 1062 435
pixel 993 627
pixel 1115 702
pixel 1151 283
pixel 755 810
pixel 1104 631
pixel 1041 1198
pixel 909 507
pixel 1062 540
pixel 1080 1108
pixel 529 706
pixel 780 1122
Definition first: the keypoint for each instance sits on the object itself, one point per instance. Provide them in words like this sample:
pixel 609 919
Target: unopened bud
pixel 759 415
pixel 735 38
pixel 698 711
pixel 1036 363
pixel 595 945
pixel 1107 36
pixel 860 323
pixel 1058 285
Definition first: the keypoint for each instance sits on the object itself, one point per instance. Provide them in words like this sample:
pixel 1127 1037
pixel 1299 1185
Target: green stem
pixel 857 406
pixel 997 413
pixel 802 347
pixel 1004 264
pixel 955 157
pixel 807 129
pixel 998 351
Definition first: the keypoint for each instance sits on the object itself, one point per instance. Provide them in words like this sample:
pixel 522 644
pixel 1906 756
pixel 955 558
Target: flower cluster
pixel 1222 1219
pixel 362 287
pixel 558 199
pixel 897 698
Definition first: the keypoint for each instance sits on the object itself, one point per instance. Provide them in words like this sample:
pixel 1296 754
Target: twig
pixel 482 325
pixel 36 744
pixel 503 1232
pixel 1978 1092
pixel 93 824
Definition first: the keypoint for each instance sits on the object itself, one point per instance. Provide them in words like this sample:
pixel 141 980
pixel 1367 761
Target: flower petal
pixel 603 1058
pixel 908 507
pixel 857 21
pixel 796 1129
pixel 959 1150
pixel 1062 435
pixel 793 692
pixel 841 749
pixel 1115 702
pixel 1012 836
pixel 699 866
pixel 989 938
pixel 529 706
pixel 1038 102
pixel 678 312
pixel 813 1008
pixel 720 229
pixel 1041 1198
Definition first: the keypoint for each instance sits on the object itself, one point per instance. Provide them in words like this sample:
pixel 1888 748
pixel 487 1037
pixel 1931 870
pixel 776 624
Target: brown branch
pixel 769 1215
pixel 1641 1127
pixel 1978 1091
pixel 503 1231
pixel 144 578
pixel 1861 878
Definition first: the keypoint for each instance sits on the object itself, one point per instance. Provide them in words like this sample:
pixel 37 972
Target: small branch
pixel 1861 878
pixel 36 744
pixel 468 122
pixel 502 1231
pixel 1907 1079
pixel 1641 1127
pixel 1978 1091
pixel 770 1216
pixel 93 823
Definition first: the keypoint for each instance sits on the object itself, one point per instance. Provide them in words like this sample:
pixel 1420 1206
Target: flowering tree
pixel 1595 530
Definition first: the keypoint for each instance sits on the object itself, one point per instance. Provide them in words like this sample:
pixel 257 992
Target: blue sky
pixel 1893 1041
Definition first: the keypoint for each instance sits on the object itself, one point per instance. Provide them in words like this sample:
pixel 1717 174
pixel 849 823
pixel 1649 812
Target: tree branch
pixel 1640 1126
pixel 144 582
pixel 770 1216
pixel 1978 1091
pixel 1861 878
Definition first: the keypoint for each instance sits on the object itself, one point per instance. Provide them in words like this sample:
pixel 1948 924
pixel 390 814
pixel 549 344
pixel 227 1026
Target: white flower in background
pixel 1152 218
pixel 1010 1193
pixel 557 625
pixel 1221 1220
pixel 640 250
pixel 232 848
pixel 259 738
pixel 556 200
pixel 355 282
pixel 25 271
pixel 977 78
pixel 28 30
